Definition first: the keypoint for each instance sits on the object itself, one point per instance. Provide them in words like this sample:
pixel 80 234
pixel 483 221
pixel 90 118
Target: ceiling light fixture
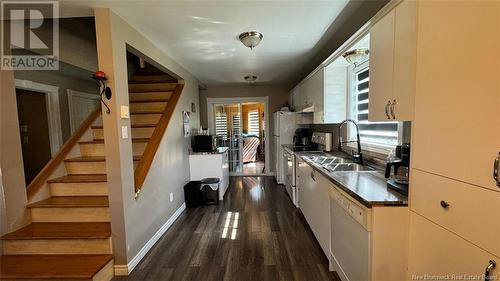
pixel 250 78
pixel 356 56
pixel 251 39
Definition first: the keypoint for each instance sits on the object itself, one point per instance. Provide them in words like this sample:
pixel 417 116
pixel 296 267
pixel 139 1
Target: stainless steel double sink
pixel 338 164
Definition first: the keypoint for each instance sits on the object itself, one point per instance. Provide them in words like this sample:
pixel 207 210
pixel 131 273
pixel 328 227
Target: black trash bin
pixel 210 189
pixel 193 194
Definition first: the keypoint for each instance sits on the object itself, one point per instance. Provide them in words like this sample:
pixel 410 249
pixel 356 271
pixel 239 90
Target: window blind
pixel 253 123
pixel 221 125
pixel 377 133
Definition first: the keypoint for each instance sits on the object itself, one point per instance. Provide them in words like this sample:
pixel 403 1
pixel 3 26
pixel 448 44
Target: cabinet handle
pixel 495 169
pixel 487 273
pixel 394 102
pixel 312 176
pixel 444 204
pixel 387 109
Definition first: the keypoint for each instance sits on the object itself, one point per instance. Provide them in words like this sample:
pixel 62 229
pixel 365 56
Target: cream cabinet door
pixel 381 67
pixel 405 51
pixel 317 95
pixel 392 64
pixel 456 129
pixel 435 251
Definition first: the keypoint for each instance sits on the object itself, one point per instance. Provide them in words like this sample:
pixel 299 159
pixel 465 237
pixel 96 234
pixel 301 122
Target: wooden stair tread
pixel 102 141
pixel 79 178
pixel 94 158
pixel 72 202
pixel 132 126
pixel 52 266
pixel 154 82
pixel 61 230
pixel 145 112
pixel 86 159
pixel 148 101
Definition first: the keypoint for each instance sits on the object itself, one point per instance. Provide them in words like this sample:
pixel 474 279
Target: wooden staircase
pixel 70 234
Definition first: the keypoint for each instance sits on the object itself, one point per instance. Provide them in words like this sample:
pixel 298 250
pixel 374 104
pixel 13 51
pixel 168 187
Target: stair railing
pixel 144 164
pixel 38 182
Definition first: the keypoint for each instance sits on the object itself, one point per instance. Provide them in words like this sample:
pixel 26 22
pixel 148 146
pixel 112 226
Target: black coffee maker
pixel 397 171
pixel 302 137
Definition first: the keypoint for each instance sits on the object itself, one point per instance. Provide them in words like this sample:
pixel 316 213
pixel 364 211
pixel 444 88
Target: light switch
pixel 124 132
pixel 124 112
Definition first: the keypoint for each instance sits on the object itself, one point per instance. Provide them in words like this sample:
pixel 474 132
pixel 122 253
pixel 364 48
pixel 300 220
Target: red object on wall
pixel 100 75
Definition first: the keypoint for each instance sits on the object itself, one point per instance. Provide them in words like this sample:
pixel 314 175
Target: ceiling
pixel 202 35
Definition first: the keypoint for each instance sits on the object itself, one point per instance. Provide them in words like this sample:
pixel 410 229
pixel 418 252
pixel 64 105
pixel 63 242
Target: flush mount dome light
pixel 250 78
pixel 356 56
pixel 250 39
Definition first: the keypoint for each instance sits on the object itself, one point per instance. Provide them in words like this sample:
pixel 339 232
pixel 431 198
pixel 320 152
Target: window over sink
pixel 375 136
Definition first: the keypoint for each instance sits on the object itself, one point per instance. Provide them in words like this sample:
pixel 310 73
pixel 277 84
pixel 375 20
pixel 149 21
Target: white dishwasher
pixel 350 237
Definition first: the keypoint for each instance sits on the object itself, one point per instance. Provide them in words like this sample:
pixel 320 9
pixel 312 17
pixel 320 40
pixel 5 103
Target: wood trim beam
pixel 144 165
pixel 37 183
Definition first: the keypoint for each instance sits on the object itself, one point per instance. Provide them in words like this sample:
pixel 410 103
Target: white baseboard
pixel 125 270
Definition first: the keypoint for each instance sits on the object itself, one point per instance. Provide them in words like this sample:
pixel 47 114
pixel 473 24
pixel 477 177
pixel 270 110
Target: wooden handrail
pixel 142 168
pixel 55 161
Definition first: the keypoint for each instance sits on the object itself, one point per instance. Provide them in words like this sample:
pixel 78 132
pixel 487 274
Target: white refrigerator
pixel 284 124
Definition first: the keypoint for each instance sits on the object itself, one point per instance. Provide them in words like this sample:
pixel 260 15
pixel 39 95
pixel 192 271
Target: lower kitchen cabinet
pixel 437 254
pixel 361 243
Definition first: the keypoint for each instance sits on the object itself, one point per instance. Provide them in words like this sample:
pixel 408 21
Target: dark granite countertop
pixel 219 150
pixel 367 187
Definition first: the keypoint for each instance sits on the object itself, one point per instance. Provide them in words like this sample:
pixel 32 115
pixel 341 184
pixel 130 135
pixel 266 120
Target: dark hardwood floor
pixel 254 234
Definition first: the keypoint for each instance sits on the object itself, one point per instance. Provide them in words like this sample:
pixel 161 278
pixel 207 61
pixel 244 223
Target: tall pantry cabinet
pixel 454 198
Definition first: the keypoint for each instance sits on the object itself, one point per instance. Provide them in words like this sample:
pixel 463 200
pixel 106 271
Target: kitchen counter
pixel 219 150
pixel 211 165
pixel 367 187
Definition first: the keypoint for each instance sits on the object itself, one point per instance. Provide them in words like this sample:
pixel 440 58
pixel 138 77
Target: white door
pixel 80 106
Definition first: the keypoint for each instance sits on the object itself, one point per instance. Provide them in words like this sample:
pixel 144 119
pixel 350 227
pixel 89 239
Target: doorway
pixel 241 124
pixel 34 131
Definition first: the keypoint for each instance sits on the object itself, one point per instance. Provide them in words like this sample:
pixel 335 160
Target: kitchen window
pixel 375 136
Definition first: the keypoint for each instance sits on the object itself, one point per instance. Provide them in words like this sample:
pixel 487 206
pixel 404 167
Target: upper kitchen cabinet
pixel 457 103
pixel 314 90
pixel 393 64
pixel 322 95
pixel 334 105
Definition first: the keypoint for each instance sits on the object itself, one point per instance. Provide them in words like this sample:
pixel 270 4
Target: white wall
pixel 135 221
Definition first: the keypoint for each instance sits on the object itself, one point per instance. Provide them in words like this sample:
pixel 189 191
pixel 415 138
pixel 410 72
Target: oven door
pixel 289 161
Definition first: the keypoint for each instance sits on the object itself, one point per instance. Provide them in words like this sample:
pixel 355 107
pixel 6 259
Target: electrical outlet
pixel 171 197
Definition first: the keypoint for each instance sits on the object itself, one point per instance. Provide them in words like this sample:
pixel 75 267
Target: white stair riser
pixel 89 214
pixel 57 247
pixel 79 189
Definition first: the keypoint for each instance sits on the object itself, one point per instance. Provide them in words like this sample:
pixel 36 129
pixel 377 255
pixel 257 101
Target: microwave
pixel 204 143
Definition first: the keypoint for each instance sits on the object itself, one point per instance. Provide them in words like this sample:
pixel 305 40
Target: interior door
pixel 34 129
pixel 228 129
pixel 80 106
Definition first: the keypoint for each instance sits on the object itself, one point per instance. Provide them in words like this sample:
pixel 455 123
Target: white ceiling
pixel 202 35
